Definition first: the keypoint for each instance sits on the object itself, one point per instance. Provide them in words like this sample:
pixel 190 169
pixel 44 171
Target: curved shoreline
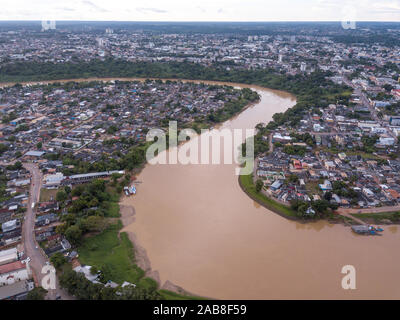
pixel 263 204
pixel 211 82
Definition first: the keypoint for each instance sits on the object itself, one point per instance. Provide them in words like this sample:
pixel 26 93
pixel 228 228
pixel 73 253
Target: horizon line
pixel 205 21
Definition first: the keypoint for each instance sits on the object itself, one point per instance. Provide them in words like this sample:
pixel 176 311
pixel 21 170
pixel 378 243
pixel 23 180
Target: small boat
pixel 127 191
pixel 377 229
pixel 132 189
pixel 367 230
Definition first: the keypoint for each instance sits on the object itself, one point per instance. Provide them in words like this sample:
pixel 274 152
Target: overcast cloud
pixel 204 10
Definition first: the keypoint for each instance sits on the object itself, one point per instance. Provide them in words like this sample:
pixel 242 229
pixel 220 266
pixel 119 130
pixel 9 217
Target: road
pixel 370 210
pixel 365 101
pixel 32 249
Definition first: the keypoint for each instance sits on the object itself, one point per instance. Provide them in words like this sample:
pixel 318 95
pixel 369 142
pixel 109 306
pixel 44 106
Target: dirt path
pixel 370 210
pixel 348 215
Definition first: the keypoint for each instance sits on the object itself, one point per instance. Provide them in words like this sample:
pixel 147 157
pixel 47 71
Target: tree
pixel 293 178
pixel 61 196
pixel 73 234
pixel 259 185
pixel 321 206
pixel 328 196
pixel 3 148
pixel 39 145
pixel 67 189
pixel 94 223
pixel 37 293
pixel 388 87
pixel 58 260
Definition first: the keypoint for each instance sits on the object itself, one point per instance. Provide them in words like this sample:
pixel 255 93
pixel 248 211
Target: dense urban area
pixel 70 149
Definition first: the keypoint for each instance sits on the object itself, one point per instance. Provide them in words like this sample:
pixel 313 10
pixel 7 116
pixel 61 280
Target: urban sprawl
pixel 69 149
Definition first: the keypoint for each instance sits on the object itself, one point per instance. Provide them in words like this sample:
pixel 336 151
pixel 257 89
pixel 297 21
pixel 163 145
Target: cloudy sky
pixel 201 10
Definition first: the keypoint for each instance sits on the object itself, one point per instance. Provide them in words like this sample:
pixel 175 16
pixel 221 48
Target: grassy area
pixel 246 181
pixel 313 188
pixel 115 196
pixel 378 217
pixel 335 96
pixel 113 253
pixel 112 209
pixel 169 295
pixel 364 155
pixel 46 194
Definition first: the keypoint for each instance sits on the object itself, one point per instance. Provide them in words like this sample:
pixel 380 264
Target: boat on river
pixel 367 229
pixel 130 190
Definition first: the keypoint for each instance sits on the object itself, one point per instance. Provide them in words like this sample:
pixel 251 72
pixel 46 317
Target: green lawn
pixel 112 209
pixel 247 184
pixel 46 194
pixel 313 188
pixel 169 295
pixel 115 254
pixel 368 156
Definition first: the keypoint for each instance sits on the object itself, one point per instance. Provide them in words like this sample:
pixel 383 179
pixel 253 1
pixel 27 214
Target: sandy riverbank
pixel 141 258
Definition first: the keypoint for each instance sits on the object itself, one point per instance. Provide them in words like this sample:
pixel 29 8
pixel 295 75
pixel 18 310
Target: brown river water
pixel 203 233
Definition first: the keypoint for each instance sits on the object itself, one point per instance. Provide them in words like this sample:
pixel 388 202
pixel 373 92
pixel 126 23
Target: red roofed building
pixel 13 272
pixel 396 92
pixel 394 194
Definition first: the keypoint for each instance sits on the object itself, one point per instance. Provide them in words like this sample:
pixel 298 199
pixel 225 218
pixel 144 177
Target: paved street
pixel 32 249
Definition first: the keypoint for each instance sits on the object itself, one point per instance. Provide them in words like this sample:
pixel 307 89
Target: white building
pixel 379 130
pixel 13 272
pixel 317 127
pixel 53 180
pixel 9 225
pixel 86 270
pixel 386 141
pixel 8 256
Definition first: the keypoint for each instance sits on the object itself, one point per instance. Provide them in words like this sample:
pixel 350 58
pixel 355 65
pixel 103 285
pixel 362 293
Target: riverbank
pixel 141 258
pixel 386 218
pixel 167 289
pixel 247 185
